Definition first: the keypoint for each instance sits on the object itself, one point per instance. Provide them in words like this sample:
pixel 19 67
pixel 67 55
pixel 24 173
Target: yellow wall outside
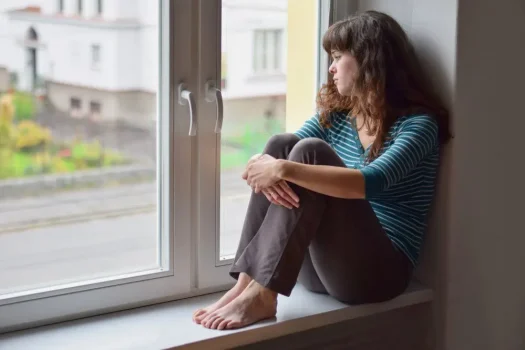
pixel 301 70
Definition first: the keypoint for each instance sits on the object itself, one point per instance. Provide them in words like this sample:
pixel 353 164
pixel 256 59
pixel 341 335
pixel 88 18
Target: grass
pixel 242 145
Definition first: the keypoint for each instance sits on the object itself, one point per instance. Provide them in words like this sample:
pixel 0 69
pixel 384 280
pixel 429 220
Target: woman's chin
pixel 343 92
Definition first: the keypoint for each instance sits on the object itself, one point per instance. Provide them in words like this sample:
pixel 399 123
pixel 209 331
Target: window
pixel 95 56
pixel 60 6
pixel 95 108
pixel 75 107
pixel 267 51
pixel 80 7
pixel 122 223
pixel 100 8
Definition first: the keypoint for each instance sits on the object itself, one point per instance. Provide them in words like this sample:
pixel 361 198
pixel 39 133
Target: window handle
pixel 186 98
pixel 214 95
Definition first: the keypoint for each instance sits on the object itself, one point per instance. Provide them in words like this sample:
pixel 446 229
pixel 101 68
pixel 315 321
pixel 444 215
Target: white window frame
pixel 48 305
pixel 212 270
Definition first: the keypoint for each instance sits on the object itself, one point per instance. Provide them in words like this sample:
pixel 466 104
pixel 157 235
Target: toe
pixel 200 318
pixel 209 320
pixel 198 315
pixel 216 322
pixel 223 324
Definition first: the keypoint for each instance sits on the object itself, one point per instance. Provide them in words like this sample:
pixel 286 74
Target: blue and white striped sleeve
pixel 416 139
pixel 312 128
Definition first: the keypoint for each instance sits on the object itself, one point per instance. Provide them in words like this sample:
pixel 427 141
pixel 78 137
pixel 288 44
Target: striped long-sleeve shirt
pixel 400 183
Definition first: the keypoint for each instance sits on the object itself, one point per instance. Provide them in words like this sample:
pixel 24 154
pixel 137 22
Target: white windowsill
pixel 169 325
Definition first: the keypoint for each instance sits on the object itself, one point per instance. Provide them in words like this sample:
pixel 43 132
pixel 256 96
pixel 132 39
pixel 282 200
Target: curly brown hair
pixel 390 82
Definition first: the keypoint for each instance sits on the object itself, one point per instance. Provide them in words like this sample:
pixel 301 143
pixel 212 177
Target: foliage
pixel 7 136
pixel 250 140
pixel 24 106
pixel 32 136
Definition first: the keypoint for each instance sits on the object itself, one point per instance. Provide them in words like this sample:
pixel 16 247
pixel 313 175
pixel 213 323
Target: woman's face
pixel 344 69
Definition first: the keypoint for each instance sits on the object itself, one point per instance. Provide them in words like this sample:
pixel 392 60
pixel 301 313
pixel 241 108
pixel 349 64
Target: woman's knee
pixel 279 143
pixel 310 146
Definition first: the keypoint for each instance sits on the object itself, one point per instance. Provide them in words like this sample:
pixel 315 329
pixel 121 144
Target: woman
pixel 341 204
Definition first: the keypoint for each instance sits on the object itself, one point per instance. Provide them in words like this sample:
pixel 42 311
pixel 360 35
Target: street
pixel 96 248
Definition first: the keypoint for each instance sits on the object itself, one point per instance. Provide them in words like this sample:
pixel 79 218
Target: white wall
pixel 124 9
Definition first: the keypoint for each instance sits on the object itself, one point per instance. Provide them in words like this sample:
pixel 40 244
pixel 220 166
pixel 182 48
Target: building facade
pixel 98 59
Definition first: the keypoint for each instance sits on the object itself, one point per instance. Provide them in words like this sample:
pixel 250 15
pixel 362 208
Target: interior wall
pixel 473 254
pixel 486 289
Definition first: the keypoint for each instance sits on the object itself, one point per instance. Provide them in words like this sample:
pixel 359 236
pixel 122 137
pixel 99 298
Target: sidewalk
pixel 75 206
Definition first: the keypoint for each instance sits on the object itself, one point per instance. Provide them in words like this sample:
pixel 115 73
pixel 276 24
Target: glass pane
pixel 78 163
pixel 254 94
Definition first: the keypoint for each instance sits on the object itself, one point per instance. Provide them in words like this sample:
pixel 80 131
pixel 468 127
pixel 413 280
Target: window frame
pixel 48 305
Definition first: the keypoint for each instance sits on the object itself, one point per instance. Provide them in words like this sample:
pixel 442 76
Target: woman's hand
pixel 261 177
pixel 261 172
pixel 282 194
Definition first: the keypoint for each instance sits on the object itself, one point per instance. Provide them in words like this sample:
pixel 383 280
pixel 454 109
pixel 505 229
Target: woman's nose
pixel 332 68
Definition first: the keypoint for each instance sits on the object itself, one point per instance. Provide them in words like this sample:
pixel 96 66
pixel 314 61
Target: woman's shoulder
pixel 421 122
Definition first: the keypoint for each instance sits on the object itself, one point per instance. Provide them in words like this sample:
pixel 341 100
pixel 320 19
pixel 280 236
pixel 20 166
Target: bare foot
pixel 233 293
pixel 255 303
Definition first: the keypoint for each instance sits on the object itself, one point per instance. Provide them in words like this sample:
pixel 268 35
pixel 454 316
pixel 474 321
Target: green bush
pixel 24 106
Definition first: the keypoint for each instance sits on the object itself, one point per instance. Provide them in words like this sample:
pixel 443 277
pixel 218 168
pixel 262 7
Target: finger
pixel 284 196
pixel 284 185
pixel 281 201
pixel 269 197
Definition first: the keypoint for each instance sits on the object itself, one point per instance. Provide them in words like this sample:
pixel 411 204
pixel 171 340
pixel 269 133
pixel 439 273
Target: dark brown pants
pixel 330 245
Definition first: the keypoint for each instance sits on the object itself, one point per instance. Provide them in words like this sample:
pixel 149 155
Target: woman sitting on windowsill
pixel 341 204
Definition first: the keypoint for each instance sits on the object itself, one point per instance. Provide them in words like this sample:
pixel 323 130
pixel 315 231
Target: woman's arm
pixel 329 180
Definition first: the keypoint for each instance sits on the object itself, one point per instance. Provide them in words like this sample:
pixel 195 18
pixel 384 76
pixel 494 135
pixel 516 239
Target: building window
pixel 80 7
pixel 95 109
pixel 95 56
pixel 100 7
pixel 60 6
pixel 75 107
pixel 267 51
